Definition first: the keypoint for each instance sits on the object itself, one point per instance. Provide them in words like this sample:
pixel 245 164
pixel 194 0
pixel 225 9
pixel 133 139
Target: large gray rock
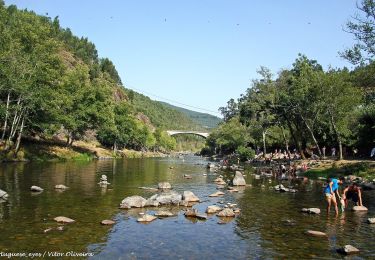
pixel 164 186
pixel 190 197
pixel 213 209
pixel 238 179
pixel 191 213
pixel 152 202
pixel 360 208
pixel 36 189
pixel 348 250
pixel 3 194
pixel 226 213
pixel 133 202
pixel 165 198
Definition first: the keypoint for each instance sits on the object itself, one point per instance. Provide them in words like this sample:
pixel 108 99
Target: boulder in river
pixel 3 195
pixel 371 220
pixel 316 233
pixel 164 213
pixel 348 250
pixel 146 218
pixel 187 176
pixel 164 186
pixel 238 179
pixel 201 216
pixel 213 209
pixel 190 197
pixel 311 210
pixel 360 208
pixel 226 213
pixel 107 222
pixel 217 194
pixel 36 189
pixel 191 213
pixel 165 198
pixel 133 202
pixel 62 219
pixel 61 187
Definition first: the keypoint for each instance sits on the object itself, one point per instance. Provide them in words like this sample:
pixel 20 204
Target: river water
pixel 270 224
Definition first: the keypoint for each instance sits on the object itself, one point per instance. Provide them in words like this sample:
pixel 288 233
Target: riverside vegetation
pixel 56 92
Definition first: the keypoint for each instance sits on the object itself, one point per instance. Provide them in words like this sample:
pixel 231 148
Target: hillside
pixel 205 120
pixel 162 115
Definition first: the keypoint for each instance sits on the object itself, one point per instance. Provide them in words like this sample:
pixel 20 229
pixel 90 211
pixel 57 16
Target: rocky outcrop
pixel 62 219
pixel 164 186
pixel 238 179
pixel 190 197
pixel 36 189
pixel 133 202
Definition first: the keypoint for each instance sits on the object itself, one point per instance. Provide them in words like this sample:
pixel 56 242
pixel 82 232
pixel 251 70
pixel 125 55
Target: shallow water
pixel 270 224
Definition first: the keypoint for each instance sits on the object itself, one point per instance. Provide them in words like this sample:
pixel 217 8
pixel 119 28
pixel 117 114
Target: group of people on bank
pixel 352 192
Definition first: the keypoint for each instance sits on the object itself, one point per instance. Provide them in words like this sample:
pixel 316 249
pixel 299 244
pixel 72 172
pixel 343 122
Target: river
pixel 270 224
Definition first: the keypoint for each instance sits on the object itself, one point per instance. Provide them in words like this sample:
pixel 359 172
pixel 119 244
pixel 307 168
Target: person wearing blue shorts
pixel 330 190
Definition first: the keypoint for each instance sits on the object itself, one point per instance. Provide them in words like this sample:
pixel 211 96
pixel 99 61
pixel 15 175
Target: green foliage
pixel 245 153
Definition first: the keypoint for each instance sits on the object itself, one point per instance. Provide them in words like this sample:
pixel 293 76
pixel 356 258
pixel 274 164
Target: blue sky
pixel 203 52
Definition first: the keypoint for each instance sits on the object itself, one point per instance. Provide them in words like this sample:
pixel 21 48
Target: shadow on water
pixel 270 224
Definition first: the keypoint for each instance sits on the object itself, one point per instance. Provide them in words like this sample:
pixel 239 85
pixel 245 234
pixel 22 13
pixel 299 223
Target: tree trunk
pixel 6 118
pixel 312 136
pixel 264 143
pixel 285 140
pixel 301 146
pixel 338 138
pixel 294 137
pixel 19 137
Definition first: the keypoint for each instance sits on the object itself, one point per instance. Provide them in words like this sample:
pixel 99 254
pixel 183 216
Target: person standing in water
pixel 330 190
pixel 352 192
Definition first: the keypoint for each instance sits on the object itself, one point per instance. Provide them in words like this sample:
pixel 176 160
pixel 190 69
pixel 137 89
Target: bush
pixel 245 153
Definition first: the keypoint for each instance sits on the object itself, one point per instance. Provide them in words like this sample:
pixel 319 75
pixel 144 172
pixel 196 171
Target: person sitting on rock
pixel 330 190
pixel 352 192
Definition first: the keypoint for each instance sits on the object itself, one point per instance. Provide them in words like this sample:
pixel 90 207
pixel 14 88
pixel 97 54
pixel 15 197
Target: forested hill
pixel 207 121
pixel 162 115
pixel 54 85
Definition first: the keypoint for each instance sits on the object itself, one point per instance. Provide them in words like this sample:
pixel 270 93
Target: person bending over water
pixel 330 190
pixel 352 192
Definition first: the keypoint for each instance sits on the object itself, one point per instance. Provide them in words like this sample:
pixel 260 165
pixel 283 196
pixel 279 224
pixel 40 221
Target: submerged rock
pixel 62 219
pixel 371 220
pixel 146 218
pixel 133 202
pixel 311 210
pixel 164 186
pixel 316 233
pixel 36 189
pixel 348 250
pixel 187 176
pixel 61 187
pixel 360 208
pixel 190 197
pixel 164 213
pixel 213 209
pixel 3 194
pixel 238 179
pixel 107 222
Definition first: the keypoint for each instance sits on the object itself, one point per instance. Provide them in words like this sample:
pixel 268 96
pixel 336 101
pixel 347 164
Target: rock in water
pixel 133 202
pixel 62 219
pixel 201 216
pixel 164 186
pixel 217 194
pixel 103 178
pixel 239 180
pixel 61 187
pixel 348 250
pixel 3 194
pixel 164 213
pixel 311 210
pixel 191 213
pixel 316 233
pixel 360 208
pixel 371 220
pixel 107 222
pixel 189 197
pixel 36 189
pixel 146 218
pixel 164 198
pixel 213 209
pixel 226 213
